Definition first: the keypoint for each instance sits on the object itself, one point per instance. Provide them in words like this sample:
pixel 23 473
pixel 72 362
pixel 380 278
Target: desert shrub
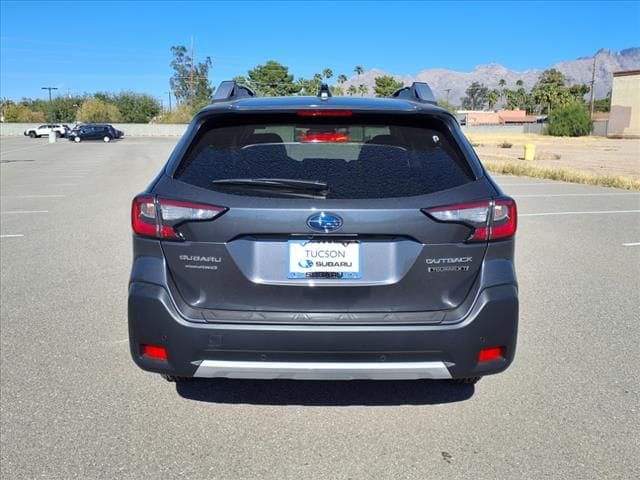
pixel 22 114
pixel 505 145
pixel 183 114
pixel 95 110
pixel 571 120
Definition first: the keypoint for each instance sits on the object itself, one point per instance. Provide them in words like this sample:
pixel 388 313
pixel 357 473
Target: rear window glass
pixel 354 160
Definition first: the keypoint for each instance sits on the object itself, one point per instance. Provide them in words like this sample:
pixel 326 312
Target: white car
pixel 43 130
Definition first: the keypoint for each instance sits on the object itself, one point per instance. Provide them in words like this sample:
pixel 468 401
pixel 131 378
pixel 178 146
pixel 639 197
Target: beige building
pixel 624 119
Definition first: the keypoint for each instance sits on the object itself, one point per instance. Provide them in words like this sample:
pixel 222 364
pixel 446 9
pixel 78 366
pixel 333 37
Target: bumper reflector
pixel 488 354
pixel 153 351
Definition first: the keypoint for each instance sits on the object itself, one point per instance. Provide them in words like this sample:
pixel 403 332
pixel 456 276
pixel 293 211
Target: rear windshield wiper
pixel 315 188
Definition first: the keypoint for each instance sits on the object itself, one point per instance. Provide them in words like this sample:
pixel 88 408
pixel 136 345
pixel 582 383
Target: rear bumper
pixel 388 352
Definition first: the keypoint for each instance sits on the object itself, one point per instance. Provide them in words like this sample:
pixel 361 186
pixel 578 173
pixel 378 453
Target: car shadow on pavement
pixel 324 393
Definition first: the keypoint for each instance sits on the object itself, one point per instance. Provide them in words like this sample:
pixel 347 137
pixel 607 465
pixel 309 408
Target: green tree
pixel 336 91
pixel 352 90
pixel 602 104
pixel 95 110
pixel 386 85
pixel 60 109
pixel 190 80
pixel 492 98
pixel 272 79
pixel 183 113
pixel 519 83
pixel 327 73
pixel 570 120
pixel 502 84
pixel 358 70
pixel 342 78
pixel 476 96
pixel 578 91
pixel 549 91
pixel 22 114
pixel 447 106
pixel 136 107
pixel 363 89
pixel 4 104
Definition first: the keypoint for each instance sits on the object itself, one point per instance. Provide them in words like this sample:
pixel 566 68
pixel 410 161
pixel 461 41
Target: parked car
pixel 106 133
pixel 44 130
pixel 323 238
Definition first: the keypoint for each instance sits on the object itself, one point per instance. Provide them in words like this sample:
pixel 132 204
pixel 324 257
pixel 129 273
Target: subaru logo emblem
pixel 324 222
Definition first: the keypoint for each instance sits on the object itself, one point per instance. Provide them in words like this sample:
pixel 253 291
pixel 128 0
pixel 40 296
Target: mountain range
pixel 576 71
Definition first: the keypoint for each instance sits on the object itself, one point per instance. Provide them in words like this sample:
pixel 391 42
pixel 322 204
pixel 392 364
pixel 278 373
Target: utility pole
pixel 593 82
pixel 169 93
pixel 191 90
pixel 447 90
pixel 49 88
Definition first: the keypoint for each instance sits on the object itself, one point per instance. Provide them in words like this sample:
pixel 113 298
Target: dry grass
pixel 521 168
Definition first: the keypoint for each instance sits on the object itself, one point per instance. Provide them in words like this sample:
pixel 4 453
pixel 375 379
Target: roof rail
pixel 231 90
pixel 418 91
pixel 324 91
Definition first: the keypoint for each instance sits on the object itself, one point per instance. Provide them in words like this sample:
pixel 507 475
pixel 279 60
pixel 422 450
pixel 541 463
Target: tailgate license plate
pixel 324 259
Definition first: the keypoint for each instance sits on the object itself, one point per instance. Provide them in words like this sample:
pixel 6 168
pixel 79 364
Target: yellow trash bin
pixel 529 151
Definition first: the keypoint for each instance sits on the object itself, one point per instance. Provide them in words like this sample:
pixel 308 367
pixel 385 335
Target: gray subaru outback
pixel 323 238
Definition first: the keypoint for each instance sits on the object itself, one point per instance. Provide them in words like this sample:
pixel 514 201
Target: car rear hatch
pixel 342 218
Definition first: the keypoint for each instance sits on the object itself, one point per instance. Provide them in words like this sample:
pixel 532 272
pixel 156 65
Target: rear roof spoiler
pixel 417 92
pixel 231 90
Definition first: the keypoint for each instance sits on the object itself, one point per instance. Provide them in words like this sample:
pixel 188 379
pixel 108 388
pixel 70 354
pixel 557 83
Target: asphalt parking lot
pixel 73 404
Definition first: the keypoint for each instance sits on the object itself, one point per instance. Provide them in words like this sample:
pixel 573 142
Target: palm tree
pixel 492 98
pixel 519 83
pixel 502 83
pixel 327 73
pixel 352 90
pixel 363 89
pixel 342 78
pixel 358 69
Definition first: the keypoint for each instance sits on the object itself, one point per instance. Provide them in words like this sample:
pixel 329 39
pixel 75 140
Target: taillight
pixel 158 217
pixel 154 351
pixel 490 220
pixel 489 354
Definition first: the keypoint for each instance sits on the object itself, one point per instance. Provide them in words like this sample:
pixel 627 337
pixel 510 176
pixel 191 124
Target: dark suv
pixel 106 133
pixel 323 238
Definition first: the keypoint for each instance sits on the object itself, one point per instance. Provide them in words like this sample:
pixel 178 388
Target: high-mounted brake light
pixel 324 113
pixel 322 137
pixel 490 220
pixel 157 217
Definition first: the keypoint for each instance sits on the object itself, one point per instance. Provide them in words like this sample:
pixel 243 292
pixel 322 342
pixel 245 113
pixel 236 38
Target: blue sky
pixel 93 46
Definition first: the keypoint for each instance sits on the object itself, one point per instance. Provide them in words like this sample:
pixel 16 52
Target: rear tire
pixel 465 381
pixel 106 139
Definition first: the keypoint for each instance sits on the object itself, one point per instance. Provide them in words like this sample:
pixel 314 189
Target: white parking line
pixel 16 235
pixel 18 212
pixel 636 244
pixel 576 195
pixel 576 213
pixel 33 196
